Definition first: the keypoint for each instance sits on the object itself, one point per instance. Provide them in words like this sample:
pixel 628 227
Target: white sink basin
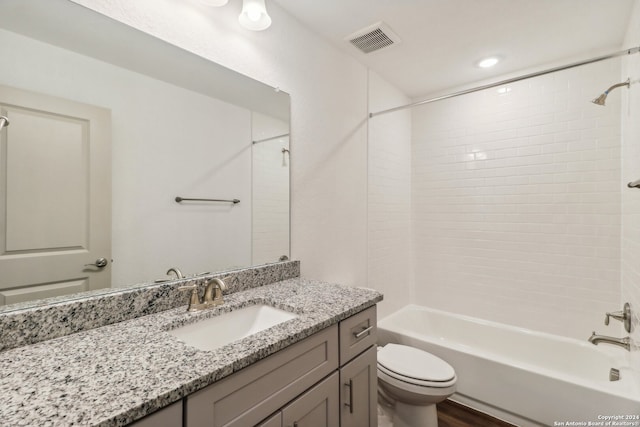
pixel 215 332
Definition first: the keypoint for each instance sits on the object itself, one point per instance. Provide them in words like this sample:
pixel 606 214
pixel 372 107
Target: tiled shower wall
pixel 631 172
pixel 517 201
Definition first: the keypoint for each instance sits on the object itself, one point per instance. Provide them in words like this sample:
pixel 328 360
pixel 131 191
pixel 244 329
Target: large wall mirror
pixel 107 127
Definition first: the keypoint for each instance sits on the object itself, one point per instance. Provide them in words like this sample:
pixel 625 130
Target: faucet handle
pixel 618 315
pixel 194 299
pixel 623 316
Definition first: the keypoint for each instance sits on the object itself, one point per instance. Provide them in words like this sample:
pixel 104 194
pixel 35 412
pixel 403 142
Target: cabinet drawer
pixel 248 396
pixel 357 333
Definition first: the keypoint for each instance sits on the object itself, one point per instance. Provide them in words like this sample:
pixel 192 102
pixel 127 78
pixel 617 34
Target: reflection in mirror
pixel 108 126
pixel 270 188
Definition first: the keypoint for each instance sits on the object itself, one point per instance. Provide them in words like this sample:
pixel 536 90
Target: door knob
pixel 100 263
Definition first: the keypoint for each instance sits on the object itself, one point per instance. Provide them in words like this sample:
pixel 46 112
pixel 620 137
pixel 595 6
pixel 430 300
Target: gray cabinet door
pixel 273 421
pixel 318 407
pixel 171 416
pixel 358 389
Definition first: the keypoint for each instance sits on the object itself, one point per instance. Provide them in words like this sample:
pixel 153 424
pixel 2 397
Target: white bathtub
pixel 525 377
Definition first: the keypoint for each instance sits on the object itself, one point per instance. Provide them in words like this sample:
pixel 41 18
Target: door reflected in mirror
pixel 178 126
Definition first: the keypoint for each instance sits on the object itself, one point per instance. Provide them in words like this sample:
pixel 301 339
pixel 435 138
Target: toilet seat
pixel 413 366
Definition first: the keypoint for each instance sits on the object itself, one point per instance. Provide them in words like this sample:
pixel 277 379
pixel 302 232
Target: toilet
pixel 413 381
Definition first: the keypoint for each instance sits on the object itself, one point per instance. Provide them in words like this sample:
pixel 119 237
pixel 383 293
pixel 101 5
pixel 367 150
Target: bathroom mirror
pixel 108 126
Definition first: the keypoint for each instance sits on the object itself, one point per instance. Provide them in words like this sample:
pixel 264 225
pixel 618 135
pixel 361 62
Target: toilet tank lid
pixel 414 363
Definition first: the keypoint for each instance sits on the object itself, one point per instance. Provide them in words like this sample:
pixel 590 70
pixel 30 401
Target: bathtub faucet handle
pixel 618 315
pixel 623 316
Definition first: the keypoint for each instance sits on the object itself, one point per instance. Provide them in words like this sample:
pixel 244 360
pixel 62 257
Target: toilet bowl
pixel 413 381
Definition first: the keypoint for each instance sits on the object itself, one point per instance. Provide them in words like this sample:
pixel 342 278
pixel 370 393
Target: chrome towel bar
pixel 183 199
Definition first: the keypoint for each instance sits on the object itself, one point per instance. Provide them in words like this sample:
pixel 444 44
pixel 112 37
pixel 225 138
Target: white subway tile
pixel 520 202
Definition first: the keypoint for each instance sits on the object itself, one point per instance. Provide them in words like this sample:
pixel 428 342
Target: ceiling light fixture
pixel 214 3
pixel 488 62
pixel 254 15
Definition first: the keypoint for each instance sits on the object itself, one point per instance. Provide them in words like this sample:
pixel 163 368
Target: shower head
pixel 602 98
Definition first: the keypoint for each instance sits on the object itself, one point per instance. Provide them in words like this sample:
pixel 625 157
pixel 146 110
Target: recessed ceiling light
pixel 504 90
pixel 488 62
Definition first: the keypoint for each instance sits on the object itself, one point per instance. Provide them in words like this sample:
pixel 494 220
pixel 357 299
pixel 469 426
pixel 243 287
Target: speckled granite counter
pixel 35 321
pixel 113 375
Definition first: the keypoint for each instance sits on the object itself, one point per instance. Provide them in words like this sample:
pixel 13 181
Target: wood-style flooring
pixel 452 414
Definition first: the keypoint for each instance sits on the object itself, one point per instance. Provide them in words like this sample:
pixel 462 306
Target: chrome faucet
pixel 175 271
pixel 212 295
pixel 622 342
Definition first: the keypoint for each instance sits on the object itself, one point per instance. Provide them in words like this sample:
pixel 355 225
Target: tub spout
pixel 622 342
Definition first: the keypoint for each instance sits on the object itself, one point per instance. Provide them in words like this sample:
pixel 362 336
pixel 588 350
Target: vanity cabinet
pixel 358 370
pixel 326 380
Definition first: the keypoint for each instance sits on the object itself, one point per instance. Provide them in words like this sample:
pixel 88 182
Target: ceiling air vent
pixel 374 37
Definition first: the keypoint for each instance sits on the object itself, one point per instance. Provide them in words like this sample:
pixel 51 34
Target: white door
pixel 55 196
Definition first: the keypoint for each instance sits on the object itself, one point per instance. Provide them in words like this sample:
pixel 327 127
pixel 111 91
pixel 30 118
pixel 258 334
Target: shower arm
pixel 627 84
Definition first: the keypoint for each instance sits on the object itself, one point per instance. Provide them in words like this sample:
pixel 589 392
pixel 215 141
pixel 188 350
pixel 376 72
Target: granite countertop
pixel 116 374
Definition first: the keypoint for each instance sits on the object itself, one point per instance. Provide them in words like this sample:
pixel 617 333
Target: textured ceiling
pixel 442 40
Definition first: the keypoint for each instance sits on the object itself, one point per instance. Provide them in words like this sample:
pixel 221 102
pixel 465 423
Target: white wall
pixel 516 202
pixel 166 142
pixel 329 179
pixel 270 216
pixel 631 172
pixel 328 124
pixel 389 231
